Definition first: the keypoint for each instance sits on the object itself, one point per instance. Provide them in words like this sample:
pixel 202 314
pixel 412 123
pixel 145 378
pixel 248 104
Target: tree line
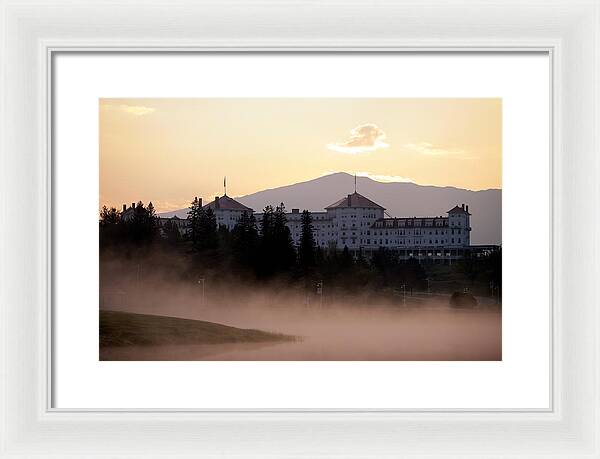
pixel 140 228
pixel 264 250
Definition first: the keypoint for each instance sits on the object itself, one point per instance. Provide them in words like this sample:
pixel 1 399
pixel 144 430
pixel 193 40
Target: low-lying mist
pixel 332 327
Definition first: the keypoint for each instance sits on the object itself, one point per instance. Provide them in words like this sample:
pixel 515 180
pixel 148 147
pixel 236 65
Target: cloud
pixel 363 139
pixel 137 110
pixel 384 178
pixel 426 148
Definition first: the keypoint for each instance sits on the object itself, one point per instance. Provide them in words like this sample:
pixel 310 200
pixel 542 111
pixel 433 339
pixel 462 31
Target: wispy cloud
pixel 363 139
pixel 429 149
pixel 137 110
pixel 384 178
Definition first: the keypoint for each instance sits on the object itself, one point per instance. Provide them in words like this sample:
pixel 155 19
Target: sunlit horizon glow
pixel 169 150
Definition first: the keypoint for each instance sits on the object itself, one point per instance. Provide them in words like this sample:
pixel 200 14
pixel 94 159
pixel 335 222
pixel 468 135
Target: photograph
pixel 300 229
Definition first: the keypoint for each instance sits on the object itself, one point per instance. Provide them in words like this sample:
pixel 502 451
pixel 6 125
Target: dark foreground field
pixel 124 330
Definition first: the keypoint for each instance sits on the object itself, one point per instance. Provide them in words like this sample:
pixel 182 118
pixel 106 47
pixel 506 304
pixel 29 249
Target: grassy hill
pixel 124 329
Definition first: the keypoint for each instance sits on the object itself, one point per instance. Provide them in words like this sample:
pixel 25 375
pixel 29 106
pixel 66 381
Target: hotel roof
pixel 459 210
pixel 355 200
pixel 226 203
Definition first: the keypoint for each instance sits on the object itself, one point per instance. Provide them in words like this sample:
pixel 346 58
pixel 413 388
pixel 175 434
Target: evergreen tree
pixel 137 227
pixel 264 262
pixel 306 251
pixel 208 229
pixel 277 252
pixel 245 241
pixel 266 224
pixel 286 254
pixel 171 232
pixel 152 220
pixel 110 227
pixel 194 222
pixel 109 216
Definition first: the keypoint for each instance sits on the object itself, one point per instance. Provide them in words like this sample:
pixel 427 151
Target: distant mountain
pixel 399 199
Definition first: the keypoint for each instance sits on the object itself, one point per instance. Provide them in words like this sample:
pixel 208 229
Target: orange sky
pixel 170 150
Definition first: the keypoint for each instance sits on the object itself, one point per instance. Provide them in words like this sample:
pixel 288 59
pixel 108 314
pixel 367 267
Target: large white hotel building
pixel 361 225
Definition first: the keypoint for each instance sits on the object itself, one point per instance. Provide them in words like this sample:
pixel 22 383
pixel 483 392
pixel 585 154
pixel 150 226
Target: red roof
pixel 458 210
pixel 355 200
pixel 226 203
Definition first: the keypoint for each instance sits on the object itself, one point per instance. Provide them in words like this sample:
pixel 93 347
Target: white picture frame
pixel 33 31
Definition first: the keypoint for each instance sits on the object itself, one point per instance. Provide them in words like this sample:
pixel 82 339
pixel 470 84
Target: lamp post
pixel 495 292
pixel 320 293
pixel 403 294
pixel 201 281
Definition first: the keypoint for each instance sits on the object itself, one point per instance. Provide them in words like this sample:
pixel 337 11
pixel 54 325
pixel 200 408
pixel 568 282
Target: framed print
pixel 272 234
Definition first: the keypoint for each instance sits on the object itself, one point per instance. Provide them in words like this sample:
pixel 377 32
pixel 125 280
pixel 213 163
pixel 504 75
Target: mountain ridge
pixel 401 199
